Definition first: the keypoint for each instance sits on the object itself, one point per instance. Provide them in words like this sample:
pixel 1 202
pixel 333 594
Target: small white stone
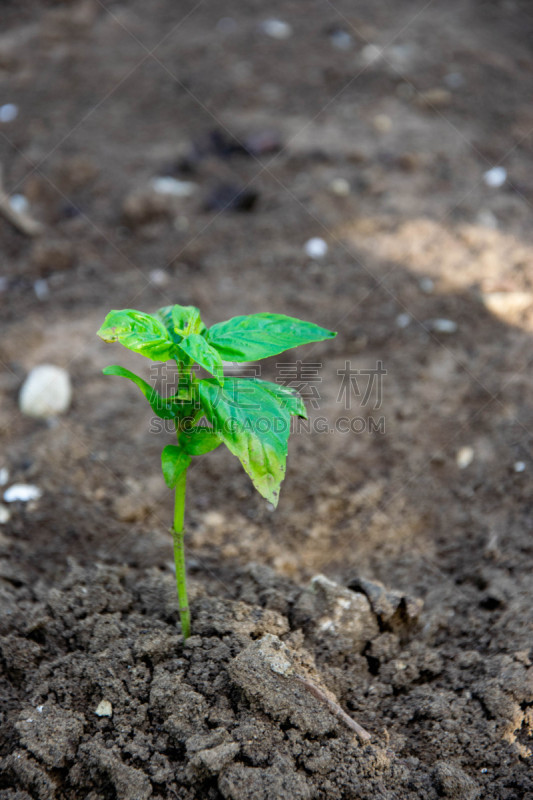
pixel 464 457
pixel 427 285
pixel 8 112
pixel 41 289
pixel 276 28
pixel 382 123
pixel 159 277
pixel 5 514
pixel 340 187
pixel 519 466
pixel 401 56
pixel 104 709
pixel 226 25
pixel 454 80
pixel 22 493
pixel 4 476
pixel 442 325
pixel 19 203
pixel 403 320
pixel 495 177
pixel 316 247
pixel 173 187
pixel 46 392
pixel 371 53
pixel 341 40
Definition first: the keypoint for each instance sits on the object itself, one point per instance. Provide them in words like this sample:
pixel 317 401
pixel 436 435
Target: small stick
pixel 334 708
pixel 22 221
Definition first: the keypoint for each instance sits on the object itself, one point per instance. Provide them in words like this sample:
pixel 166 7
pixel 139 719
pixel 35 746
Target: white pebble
pixel 403 320
pixel 172 186
pixel 400 56
pixel 159 277
pixel 464 457
pixel 454 80
pixel 340 187
pixel 4 476
pixel 519 466
pixel 19 203
pixel 371 53
pixel 8 112
pixel 276 28
pixel 46 392
pixel 341 40
pixel 226 25
pixel 427 285
pixel 104 709
pixel 5 515
pixel 442 325
pixel 495 177
pixel 41 289
pixel 22 493
pixel 382 123
pixel 316 247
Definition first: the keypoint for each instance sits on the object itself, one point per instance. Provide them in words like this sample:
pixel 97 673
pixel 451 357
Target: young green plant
pixel 250 416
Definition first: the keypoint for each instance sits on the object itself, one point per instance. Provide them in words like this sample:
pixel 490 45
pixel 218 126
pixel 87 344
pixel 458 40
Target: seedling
pixel 250 416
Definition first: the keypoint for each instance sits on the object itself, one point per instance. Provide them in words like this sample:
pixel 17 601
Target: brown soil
pixel 111 95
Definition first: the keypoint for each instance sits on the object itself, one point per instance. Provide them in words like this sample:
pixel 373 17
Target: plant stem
pixel 179 555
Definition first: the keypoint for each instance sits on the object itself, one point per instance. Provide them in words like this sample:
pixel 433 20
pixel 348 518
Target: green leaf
pixel 195 346
pixel 164 408
pixel 174 460
pixel 180 318
pixel 287 396
pixel 139 332
pixel 257 336
pixel 199 440
pixel 254 426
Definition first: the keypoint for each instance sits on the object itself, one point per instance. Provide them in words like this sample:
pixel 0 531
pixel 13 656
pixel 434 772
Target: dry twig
pixel 334 708
pixel 22 221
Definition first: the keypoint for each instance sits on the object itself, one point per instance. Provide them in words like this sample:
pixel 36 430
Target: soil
pixel 420 518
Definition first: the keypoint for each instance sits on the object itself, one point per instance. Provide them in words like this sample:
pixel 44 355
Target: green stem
pixel 179 555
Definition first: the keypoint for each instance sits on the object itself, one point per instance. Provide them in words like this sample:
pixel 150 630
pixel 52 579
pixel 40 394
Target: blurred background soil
pixel 374 126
